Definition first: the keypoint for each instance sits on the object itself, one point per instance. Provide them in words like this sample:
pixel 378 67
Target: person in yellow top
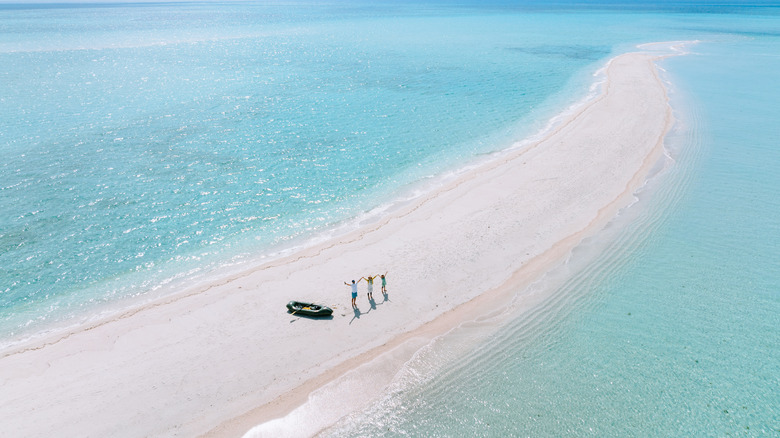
pixel 370 281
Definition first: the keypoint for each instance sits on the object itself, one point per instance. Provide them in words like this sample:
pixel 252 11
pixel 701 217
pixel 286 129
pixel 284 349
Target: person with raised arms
pixel 354 291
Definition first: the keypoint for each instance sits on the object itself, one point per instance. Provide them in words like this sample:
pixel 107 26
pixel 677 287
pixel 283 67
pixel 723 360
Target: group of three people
pixel 370 280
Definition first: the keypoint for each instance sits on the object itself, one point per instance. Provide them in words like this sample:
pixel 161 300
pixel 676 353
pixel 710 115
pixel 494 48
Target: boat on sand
pixel 309 309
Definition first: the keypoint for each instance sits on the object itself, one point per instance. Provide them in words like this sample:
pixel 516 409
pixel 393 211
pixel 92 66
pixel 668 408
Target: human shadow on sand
pixel 358 313
pixel 372 303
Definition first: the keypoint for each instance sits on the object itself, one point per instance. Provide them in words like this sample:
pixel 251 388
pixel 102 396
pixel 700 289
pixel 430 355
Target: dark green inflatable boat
pixel 309 309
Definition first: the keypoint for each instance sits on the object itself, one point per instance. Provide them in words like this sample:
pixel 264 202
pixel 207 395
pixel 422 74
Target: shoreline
pixel 211 353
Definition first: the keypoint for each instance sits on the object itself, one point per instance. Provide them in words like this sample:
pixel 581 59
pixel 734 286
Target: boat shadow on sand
pixel 313 318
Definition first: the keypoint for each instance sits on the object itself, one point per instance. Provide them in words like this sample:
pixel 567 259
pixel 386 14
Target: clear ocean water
pixel 150 145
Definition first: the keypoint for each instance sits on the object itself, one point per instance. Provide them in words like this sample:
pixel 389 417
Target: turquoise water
pixel 150 145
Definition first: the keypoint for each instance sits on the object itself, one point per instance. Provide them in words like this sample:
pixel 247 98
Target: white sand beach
pixel 219 359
